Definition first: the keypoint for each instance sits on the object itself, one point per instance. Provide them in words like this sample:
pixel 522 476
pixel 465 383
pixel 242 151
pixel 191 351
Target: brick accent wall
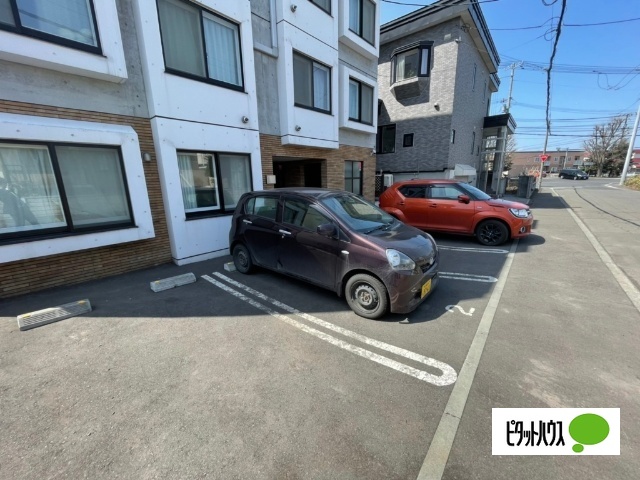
pixel 332 165
pixel 25 276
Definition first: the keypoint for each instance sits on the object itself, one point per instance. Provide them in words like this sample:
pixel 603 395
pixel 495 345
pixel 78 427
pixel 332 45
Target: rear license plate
pixel 426 288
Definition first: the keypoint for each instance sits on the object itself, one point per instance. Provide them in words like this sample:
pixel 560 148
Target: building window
pixel 411 61
pixel 323 4
pixel 362 19
pixel 51 188
pixel 67 22
pixel 453 136
pixel 311 84
pixel 212 183
pixel 386 140
pixel 407 140
pixel 199 44
pixel 353 177
pixel 360 102
pixel 473 141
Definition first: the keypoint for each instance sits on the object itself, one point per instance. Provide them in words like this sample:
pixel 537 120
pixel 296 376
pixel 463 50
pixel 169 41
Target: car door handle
pixel 248 222
pixel 400 203
pixel 434 205
pixel 285 232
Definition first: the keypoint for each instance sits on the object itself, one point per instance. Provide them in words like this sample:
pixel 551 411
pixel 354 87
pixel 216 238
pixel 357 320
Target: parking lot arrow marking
pixel 450 309
pixel 467 277
pixel 447 377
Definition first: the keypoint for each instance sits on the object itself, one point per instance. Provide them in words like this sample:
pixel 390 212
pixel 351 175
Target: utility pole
pixel 632 140
pixel 513 67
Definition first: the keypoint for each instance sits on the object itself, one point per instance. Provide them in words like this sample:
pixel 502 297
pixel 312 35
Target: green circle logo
pixel 588 429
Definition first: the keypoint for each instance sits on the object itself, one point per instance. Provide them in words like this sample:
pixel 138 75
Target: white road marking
pixel 438 454
pixel 449 376
pixel 475 250
pixel 448 373
pixel 450 308
pixel 467 277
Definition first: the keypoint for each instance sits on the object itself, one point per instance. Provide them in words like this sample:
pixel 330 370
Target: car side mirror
pixel 327 230
pixel 464 198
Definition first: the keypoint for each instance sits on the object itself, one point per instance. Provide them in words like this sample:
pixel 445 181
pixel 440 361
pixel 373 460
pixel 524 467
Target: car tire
pixel 492 233
pixel 367 296
pixel 562 176
pixel 242 259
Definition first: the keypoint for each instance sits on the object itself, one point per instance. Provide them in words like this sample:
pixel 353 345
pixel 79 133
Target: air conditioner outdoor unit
pixel 387 180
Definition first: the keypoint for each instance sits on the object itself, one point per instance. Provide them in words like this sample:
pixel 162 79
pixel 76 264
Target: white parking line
pixel 467 277
pixel 475 250
pixel 448 373
pixel 438 453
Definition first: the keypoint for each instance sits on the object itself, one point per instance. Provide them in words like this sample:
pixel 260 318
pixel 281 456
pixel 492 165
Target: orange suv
pixel 456 207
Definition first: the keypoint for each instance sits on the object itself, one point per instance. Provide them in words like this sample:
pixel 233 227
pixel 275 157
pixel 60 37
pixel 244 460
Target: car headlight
pixel 519 212
pixel 399 261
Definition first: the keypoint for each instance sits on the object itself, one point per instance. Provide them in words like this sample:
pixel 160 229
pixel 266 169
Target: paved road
pixel 260 376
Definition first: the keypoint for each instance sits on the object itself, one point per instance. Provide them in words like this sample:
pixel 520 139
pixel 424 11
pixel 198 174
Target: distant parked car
pixel 338 241
pixel 573 173
pixel 456 207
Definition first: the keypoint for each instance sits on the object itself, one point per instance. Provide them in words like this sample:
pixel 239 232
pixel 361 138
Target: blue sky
pixel 578 100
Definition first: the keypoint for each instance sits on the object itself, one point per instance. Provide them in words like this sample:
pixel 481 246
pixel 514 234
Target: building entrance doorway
pixel 296 172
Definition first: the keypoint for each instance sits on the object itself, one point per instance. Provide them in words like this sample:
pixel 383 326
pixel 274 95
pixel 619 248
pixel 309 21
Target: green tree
pixel 608 144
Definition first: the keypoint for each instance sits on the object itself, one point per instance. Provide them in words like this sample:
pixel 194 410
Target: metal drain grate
pixel 167 283
pixel 30 320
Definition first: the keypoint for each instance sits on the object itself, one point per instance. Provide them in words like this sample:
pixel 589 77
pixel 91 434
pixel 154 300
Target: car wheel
pixel 367 296
pixel 492 233
pixel 242 259
pixel 562 176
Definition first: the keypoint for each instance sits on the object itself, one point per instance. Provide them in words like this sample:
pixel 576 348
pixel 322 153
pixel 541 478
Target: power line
pixel 532 27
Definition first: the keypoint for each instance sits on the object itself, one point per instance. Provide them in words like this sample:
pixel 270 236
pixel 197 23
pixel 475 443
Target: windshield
pixel 474 192
pixel 357 213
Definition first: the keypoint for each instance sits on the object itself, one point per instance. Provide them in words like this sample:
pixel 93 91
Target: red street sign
pixel 544 158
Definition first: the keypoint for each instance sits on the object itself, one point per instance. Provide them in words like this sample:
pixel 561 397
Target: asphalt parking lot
pixel 235 375
pixel 261 376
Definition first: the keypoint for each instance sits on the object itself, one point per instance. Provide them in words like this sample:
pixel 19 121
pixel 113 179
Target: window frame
pixel 191 76
pixel 352 178
pixel 329 87
pixel 220 211
pixel 360 102
pixel 48 37
pixel 70 229
pixel 423 47
pixel 379 138
pixel 407 140
pixel 328 12
pixel 361 21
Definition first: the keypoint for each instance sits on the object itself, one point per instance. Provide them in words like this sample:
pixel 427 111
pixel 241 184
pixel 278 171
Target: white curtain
pixel 236 178
pixel 223 50
pixel 302 80
pixel 30 198
pixel 321 87
pixel 181 37
pixel 187 181
pixel 69 19
pixel 354 100
pixel 94 185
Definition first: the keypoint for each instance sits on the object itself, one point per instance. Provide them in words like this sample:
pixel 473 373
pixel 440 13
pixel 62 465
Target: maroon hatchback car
pixel 338 241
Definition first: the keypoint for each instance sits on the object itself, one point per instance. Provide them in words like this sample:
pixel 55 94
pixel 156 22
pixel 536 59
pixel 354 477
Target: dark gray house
pixel 436 73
